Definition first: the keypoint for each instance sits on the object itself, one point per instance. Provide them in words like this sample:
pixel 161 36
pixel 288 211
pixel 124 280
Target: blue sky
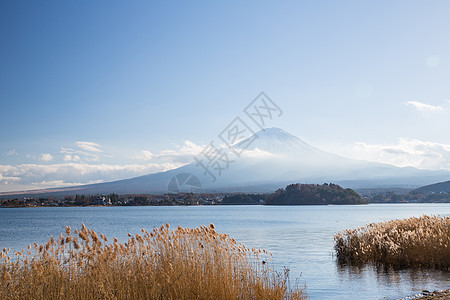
pixel 97 91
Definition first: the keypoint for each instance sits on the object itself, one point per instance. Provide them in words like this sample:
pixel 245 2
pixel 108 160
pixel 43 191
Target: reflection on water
pixel 300 237
pixel 405 280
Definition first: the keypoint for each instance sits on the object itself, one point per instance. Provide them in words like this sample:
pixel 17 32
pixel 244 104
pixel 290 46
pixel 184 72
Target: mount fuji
pixel 270 159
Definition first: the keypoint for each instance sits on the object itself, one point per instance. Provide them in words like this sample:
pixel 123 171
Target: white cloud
pixel 424 107
pixel 69 157
pixel 183 154
pixel 60 183
pixel 77 168
pixel 407 152
pixel 144 155
pixel 89 152
pixel 37 176
pixel 45 157
pixel 8 179
pixel 89 146
pixel 256 153
pixel 186 153
pixel 12 152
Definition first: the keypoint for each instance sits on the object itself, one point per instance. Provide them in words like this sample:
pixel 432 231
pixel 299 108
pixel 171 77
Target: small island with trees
pixel 314 194
pixel 300 194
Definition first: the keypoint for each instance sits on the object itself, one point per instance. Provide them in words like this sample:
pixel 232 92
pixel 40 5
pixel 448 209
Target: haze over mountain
pixel 266 161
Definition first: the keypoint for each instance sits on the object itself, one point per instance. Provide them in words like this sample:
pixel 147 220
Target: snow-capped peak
pixel 276 141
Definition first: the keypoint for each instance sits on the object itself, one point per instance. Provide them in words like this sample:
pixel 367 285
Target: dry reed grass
pixel 186 263
pixel 413 242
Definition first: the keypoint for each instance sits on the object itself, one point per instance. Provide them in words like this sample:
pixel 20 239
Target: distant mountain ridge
pixel 275 159
pixel 435 188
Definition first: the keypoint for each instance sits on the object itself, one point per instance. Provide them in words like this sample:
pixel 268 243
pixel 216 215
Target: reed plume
pixel 413 242
pixel 182 263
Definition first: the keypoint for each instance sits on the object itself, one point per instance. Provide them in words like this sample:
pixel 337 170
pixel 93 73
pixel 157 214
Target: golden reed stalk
pixel 185 263
pixel 413 242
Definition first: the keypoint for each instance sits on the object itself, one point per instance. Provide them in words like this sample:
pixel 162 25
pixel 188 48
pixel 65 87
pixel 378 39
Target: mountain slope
pixel 435 188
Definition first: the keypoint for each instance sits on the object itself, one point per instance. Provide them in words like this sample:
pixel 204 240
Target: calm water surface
pixel 300 237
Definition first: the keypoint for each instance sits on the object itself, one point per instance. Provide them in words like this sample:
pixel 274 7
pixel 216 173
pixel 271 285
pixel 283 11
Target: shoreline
pixel 191 205
pixel 445 294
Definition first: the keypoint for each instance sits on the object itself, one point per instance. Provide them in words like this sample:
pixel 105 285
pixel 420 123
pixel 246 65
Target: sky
pixel 93 91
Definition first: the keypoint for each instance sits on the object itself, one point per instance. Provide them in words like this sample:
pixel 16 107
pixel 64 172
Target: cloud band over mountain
pixel 276 149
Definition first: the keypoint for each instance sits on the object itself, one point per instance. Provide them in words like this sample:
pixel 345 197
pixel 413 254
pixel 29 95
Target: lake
pixel 300 238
